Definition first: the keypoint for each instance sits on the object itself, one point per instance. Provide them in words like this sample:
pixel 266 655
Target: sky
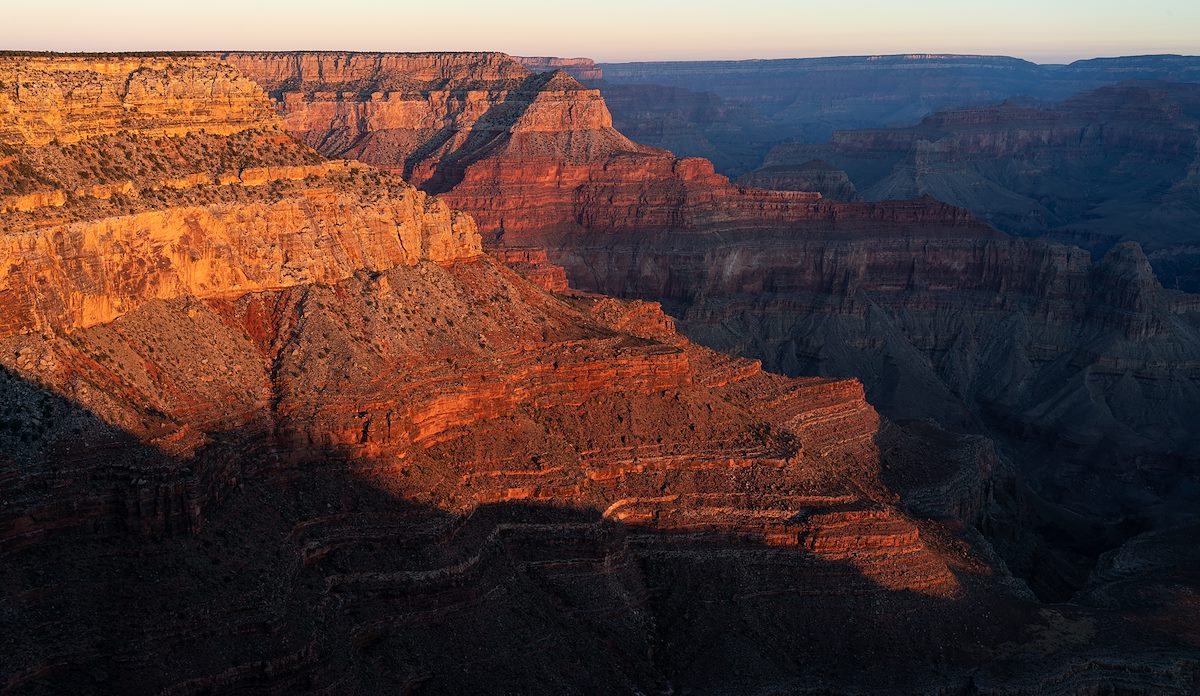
pixel 1045 31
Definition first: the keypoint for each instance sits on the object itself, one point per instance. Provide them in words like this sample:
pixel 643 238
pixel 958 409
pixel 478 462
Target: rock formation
pixel 88 236
pixel 578 68
pixel 52 99
pixel 274 424
pixel 755 104
pixel 1078 366
pixel 481 126
pixel 1116 164
pixel 810 175
pixel 533 264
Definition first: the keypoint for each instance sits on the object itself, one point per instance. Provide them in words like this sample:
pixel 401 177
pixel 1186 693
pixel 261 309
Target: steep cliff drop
pixel 1085 370
pixel 272 423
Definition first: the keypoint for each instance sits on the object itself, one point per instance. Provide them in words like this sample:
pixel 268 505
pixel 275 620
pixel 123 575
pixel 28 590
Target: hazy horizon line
pixel 600 61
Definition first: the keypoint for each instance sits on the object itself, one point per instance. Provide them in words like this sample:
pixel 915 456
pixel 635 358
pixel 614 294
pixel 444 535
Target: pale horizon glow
pixel 1044 31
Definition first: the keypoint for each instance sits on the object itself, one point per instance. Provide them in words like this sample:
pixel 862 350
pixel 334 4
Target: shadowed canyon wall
pixel 1116 164
pixel 733 112
pixel 578 68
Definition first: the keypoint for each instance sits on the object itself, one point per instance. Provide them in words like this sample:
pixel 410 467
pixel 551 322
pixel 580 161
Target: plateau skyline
pixel 621 30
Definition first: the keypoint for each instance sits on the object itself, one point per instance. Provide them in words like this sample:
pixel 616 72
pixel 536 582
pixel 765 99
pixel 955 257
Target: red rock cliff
pixel 197 192
pixel 485 124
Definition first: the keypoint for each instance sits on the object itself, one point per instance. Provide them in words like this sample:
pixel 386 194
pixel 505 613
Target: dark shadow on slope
pixel 489 134
pixel 297 573
pixel 1051 545
pixel 1079 485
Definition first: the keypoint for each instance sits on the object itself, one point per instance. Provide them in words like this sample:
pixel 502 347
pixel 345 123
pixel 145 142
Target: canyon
pixel 1083 369
pixel 277 421
pixel 1107 166
pixel 733 112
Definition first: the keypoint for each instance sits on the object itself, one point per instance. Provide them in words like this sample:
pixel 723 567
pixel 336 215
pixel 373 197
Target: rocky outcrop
pixel 95 243
pixel 534 265
pixel 811 175
pixel 65 99
pixel 579 68
pixel 453 125
pixel 428 115
pixel 117 264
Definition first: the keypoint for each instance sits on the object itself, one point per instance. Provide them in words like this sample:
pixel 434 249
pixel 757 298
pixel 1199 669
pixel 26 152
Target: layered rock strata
pixel 1079 365
pixel 534 265
pixel 422 464
pixel 66 100
pixel 1111 165
pixel 734 112
pixel 579 68
pixel 480 127
pixel 200 194
pixel 408 469
pixel 809 175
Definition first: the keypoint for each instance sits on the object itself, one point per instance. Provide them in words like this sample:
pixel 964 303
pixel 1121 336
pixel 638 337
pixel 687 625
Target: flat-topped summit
pixel 579 68
pixel 375 72
pixel 160 176
pixel 69 98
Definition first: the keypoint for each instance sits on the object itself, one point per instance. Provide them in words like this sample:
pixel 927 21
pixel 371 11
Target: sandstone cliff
pixel 138 179
pixel 44 99
pixel 430 116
